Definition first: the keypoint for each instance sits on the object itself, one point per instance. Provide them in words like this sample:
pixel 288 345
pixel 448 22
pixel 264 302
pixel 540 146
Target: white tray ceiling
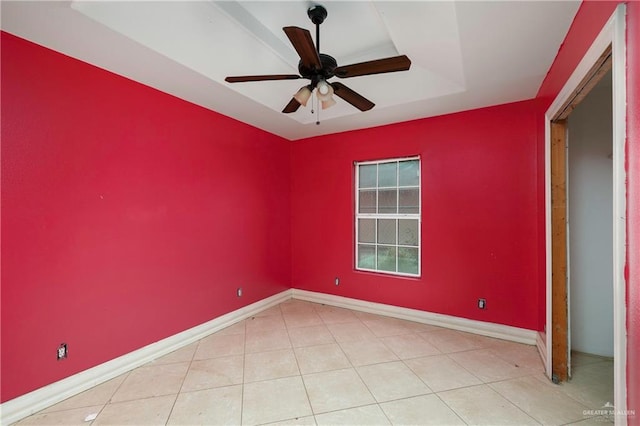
pixel 464 55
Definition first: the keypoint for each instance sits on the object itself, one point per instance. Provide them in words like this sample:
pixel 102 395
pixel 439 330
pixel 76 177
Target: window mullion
pixel 377 189
pixel 388 216
pixel 397 211
pixel 375 242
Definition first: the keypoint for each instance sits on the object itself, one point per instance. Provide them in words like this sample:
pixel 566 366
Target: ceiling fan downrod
pixel 317 14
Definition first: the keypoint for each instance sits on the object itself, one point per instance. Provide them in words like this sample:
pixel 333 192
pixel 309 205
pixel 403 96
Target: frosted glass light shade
pixel 302 95
pixel 323 88
pixel 325 91
pixel 328 103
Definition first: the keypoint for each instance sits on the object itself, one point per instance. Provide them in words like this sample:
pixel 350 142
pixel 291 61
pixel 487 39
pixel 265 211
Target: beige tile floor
pixel 306 364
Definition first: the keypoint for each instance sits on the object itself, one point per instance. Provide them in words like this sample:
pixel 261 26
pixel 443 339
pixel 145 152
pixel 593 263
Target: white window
pixel 388 216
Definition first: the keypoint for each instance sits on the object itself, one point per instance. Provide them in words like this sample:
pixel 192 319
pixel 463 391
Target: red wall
pixel 128 215
pixel 479 209
pixel 587 24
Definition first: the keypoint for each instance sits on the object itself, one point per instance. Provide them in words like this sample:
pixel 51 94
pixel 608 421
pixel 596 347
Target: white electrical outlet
pixel 62 351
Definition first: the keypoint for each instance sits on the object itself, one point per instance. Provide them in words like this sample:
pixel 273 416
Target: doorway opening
pixel 590 244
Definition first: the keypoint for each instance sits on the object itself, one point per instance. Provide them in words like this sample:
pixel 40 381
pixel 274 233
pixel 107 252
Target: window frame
pixel 395 216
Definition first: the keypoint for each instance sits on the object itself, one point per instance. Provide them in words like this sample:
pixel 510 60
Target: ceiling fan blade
pixel 355 99
pixel 379 66
pixel 303 43
pixel 245 78
pixel 292 106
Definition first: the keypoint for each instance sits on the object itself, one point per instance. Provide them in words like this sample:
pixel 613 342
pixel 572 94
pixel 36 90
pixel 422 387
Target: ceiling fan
pixel 319 68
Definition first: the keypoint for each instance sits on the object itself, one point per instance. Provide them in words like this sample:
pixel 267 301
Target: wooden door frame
pixel 559 260
pixel 613 35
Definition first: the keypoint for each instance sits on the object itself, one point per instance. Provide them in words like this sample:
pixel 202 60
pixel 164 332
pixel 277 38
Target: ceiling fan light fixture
pixel 318 67
pixel 303 95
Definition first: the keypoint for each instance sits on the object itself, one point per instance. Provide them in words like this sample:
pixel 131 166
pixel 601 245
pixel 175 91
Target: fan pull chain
pixel 313 99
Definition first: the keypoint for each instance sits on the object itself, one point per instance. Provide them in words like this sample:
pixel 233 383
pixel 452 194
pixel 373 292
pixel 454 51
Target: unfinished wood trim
pixel 559 308
pixel 593 77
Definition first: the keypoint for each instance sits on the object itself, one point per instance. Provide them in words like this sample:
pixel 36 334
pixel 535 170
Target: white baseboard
pixel 500 331
pixel 541 344
pixel 32 402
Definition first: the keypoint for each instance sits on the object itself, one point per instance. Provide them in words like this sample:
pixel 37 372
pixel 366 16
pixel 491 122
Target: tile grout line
pixel 244 366
pixel 360 376
pixel 295 356
pixel 46 411
pixel 111 397
pixel 450 408
pixel 512 402
pixel 355 368
pixel 426 384
pixel 183 380
pixel 286 327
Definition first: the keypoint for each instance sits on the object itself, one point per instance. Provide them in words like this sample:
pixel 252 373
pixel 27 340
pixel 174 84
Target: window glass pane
pixel 387 258
pixel 388 201
pixel 387 175
pixel 367 176
pixel 366 230
pixel 409 201
pixel 409 173
pixel 366 256
pixel 367 201
pixel 408 260
pixel 408 232
pixel 386 231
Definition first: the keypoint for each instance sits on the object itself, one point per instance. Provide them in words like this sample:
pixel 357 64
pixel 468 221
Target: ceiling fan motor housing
pixel 327 71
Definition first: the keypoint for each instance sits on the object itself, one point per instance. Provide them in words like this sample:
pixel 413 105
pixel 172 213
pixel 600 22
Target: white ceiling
pixel 464 55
